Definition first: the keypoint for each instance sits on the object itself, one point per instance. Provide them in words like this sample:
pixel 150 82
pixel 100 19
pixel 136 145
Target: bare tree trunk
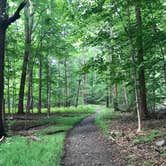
pixel 14 92
pixel 40 84
pixel 66 84
pixel 30 90
pixel 8 88
pixel 25 61
pixel 140 54
pixel 124 86
pixel 78 91
pixel 115 97
pixel 59 85
pixel 2 54
pixel 48 89
pixel 84 89
pixel 107 97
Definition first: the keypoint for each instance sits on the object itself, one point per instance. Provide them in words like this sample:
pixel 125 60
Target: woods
pixel 68 53
pixel 125 50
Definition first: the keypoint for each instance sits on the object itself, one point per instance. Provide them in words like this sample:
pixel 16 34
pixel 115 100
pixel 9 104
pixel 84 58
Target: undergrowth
pixel 47 150
pixel 149 136
pixel 103 119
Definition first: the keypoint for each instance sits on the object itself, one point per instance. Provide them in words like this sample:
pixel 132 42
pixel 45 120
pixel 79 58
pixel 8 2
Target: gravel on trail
pixel 85 146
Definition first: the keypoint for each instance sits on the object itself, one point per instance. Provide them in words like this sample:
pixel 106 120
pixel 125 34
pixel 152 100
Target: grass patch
pixel 22 151
pixel 79 109
pixel 103 119
pixel 149 136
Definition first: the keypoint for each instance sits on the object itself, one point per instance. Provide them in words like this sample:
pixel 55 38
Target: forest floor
pixel 86 146
pixel 103 139
pixel 139 149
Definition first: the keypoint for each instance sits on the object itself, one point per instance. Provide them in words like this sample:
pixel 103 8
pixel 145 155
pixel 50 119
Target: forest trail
pixel 85 146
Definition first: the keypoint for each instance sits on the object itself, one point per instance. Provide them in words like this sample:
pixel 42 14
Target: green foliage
pixel 22 151
pixel 149 136
pixel 104 117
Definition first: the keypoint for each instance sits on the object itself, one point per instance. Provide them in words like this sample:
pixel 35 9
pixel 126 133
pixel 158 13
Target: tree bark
pixel 8 87
pixel 2 54
pixel 5 21
pixel 30 91
pixel 40 84
pixel 107 97
pixel 140 55
pixel 66 84
pixel 78 91
pixel 25 60
pixel 48 89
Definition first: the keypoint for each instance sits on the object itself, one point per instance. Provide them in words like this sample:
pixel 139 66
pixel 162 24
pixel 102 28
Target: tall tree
pixel 140 53
pixel 28 40
pixel 5 21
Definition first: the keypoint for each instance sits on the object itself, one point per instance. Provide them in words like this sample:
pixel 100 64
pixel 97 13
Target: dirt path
pixel 85 146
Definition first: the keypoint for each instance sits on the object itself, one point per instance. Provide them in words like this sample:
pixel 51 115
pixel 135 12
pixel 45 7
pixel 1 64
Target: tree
pixel 5 21
pixel 140 53
pixel 27 52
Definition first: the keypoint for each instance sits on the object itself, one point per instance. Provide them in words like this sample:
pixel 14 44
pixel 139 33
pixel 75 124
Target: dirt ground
pixel 139 154
pixel 85 146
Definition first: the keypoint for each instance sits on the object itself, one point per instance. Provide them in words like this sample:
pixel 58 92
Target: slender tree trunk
pixel 140 54
pixel 107 97
pixel 48 89
pixel 78 91
pixel 136 88
pixel 8 89
pixel 125 94
pixel 59 85
pixel 66 84
pixel 40 84
pixel 25 61
pixel 14 91
pixel 22 84
pixel 84 89
pixel 123 85
pixel 30 90
pixel 2 55
pixel 115 97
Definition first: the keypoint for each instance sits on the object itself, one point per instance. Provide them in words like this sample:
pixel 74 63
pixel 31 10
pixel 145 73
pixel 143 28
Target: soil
pixel 86 146
pixel 140 154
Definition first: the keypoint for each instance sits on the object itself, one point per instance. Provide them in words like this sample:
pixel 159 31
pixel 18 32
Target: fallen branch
pixel 54 132
pixel 2 138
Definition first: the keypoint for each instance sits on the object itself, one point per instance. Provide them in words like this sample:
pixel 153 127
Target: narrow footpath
pixel 85 146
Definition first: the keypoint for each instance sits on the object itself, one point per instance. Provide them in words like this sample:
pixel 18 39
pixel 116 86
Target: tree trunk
pixel 30 90
pixel 25 61
pixel 84 89
pixel 48 89
pixel 2 55
pixel 59 84
pixel 40 84
pixel 8 88
pixel 14 91
pixel 66 84
pixel 78 91
pixel 140 54
pixel 5 21
pixel 107 97
pixel 115 97
pixel 22 84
